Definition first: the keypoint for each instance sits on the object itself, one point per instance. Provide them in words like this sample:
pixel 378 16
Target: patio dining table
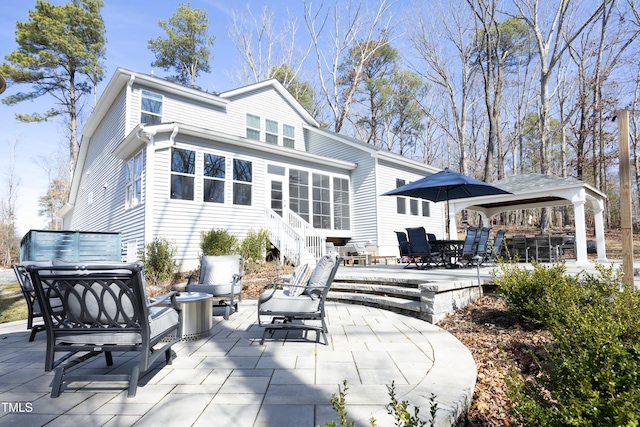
pixel 450 250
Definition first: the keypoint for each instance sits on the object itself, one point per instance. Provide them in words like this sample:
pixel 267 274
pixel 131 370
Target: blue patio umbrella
pixel 444 186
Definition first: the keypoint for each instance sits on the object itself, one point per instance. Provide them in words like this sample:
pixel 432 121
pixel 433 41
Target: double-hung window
pixel 151 108
pixel 133 180
pixel 288 136
pixel 253 127
pixel 271 132
pixel 183 170
pixel 401 202
pixel 214 175
pixel 242 182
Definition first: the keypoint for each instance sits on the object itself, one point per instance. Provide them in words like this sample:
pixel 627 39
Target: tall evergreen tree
pixel 186 47
pixel 60 53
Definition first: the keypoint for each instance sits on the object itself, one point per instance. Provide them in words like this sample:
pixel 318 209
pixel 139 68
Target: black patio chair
pixel 495 250
pixel 482 246
pixel 104 309
pixel 420 249
pixel 545 251
pixel 29 293
pixel 469 247
pixel 403 246
pixel 520 247
pixel 292 310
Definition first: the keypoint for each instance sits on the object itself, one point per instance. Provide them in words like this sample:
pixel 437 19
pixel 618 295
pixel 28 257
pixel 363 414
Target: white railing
pixel 294 237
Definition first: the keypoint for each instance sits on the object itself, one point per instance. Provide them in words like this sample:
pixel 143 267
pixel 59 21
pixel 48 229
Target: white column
pixel 599 224
pixel 453 227
pixel 581 233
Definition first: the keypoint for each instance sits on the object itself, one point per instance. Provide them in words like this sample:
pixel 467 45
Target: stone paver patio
pixel 230 379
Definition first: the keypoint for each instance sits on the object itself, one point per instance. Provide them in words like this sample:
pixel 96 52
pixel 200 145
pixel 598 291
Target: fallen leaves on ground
pixel 497 342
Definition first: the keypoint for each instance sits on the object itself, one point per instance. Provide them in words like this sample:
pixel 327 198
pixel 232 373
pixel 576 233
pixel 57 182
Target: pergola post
pixel 599 224
pixel 581 233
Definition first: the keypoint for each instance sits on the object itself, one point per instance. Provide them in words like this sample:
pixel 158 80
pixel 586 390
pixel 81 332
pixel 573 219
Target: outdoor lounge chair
pixel 290 309
pixel 220 276
pixel 482 247
pixel 420 249
pixel 104 309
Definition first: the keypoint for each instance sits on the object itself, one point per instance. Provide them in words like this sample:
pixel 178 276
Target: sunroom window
pixel 341 210
pixel 242 182
pixel 183 169
pixel 214 175
pixel 151 108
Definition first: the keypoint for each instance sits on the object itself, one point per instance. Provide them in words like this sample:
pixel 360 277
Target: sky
pixel 129 26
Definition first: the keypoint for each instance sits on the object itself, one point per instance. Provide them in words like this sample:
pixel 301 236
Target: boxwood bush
pixel 590 374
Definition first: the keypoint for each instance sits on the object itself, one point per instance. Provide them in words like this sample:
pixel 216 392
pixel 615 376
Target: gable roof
pixel 281 90
pixel 533 190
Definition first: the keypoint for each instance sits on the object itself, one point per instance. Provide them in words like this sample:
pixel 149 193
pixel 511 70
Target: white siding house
pixel 158 159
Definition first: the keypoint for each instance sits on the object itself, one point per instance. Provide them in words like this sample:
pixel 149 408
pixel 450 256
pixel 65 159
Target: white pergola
pixel 541 191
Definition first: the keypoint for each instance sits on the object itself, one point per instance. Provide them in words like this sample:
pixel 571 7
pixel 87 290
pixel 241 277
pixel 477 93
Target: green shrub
pixel 590 375
pixel 530 294
pixel 159 260
pixel 255 244
pixel 217 242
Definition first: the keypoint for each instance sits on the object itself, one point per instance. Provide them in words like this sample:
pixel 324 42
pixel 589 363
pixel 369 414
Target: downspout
pixel 149 179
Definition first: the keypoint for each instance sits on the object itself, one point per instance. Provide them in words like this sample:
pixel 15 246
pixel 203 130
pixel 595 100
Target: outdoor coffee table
pixel 197 315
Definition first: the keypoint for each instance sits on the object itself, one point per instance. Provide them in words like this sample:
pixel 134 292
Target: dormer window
pixel 150 108
pixel 253 127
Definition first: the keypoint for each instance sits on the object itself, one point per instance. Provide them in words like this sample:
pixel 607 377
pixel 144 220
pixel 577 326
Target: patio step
pixel 397 296
pixel 380 301
pixel 397 290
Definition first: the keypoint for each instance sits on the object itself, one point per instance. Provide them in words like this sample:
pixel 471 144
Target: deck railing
pixel 295 238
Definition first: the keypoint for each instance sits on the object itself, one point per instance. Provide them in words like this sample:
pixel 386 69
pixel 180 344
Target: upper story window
pixel 214 175
pixel 426 208
pixel 242 182
pixel 271 132
pixel 401 202
pixel 288 136
pixel 253 127
pixel 183 169
pixel 151 108
pixel 133 181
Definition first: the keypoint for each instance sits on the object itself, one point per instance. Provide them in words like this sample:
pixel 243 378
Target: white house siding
pixel 178 109
pixel 103 179
pixel 387 208
pixel 267 104
pixel 180 221
pixel 364 221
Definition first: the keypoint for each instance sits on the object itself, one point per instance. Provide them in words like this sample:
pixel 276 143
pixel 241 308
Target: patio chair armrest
pixel 189 277
pixel 161 299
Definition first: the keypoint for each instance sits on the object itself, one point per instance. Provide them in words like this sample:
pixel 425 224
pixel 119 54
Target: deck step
pixel 376 300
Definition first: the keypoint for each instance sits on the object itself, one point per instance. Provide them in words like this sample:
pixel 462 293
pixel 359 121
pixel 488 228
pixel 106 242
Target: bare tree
pixel 263 47
pixel 441 41
pixel 9 240
pixel 334 32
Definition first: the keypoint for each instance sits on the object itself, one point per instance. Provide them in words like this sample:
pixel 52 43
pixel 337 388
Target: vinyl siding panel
pixel 387 208
pixel 267 104
pixel 100 203
pixel 181 221
pixel 176 109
